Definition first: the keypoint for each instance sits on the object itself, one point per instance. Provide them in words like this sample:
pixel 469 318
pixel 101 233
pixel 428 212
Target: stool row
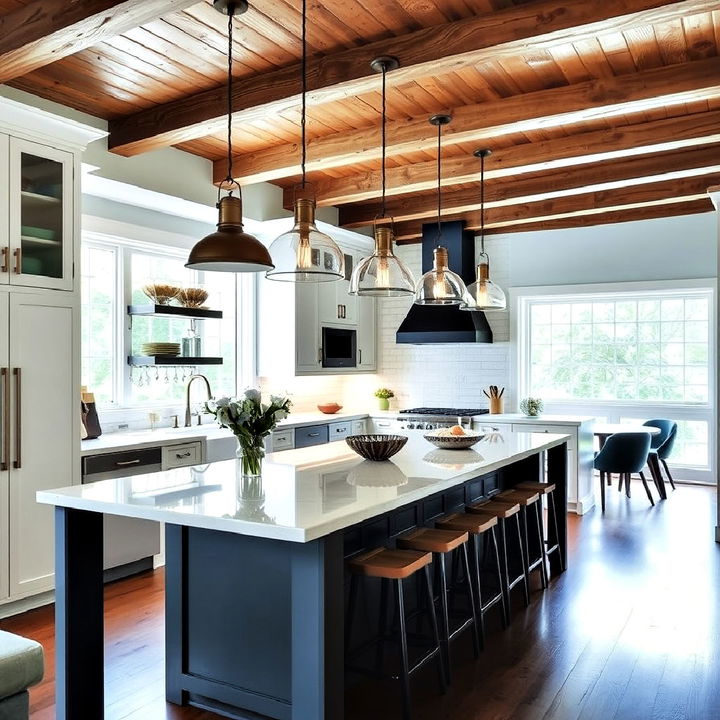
pixel 514 517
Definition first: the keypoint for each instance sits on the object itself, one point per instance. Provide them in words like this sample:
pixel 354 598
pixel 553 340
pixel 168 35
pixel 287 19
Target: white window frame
pixel 520 301
pixel 125 238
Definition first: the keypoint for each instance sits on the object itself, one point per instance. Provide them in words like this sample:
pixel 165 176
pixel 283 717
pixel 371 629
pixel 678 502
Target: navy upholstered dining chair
pixel 661 448
pixel 625 454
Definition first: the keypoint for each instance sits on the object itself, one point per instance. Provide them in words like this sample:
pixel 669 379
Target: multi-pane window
pixel 633 348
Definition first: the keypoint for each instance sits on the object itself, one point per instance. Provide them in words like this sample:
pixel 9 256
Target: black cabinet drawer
pixel 119 461
pixel 490 483
pixel 404 519
pixel 432 508
pixel 473 490
pixel 375 533
pixel 313 435
pixel 454 500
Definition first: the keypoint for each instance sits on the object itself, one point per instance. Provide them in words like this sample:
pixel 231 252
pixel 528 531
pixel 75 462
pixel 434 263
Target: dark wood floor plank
pixel 630 632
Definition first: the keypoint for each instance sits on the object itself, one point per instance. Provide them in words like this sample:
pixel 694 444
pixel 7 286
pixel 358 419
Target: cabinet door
pixel 335 306
pixel 4 448
pixel 41 216
pixel 4 202
pixel 366 334
pixel 307 332
pixel 45 428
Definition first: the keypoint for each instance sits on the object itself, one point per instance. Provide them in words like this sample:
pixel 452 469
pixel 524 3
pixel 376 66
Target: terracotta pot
pixel 329 408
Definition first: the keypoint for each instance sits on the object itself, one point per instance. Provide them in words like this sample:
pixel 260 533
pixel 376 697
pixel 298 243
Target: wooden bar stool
pixel 478 525
pixel 546 489
pixel 441 543
pixel 504 512
pixel 529 499
pixel 395 566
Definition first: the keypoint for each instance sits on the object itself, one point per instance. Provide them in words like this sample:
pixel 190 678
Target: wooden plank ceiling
pixel 596 112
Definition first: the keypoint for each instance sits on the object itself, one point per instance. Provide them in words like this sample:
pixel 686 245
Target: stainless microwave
pixel 339 347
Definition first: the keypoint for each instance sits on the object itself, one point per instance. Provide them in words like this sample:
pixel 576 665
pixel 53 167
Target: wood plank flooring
pixel 630 632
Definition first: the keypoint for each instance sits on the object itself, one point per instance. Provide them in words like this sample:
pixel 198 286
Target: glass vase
pixel 250 455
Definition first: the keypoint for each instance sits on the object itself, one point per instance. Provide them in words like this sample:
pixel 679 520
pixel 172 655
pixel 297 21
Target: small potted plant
pixel 531 406
pixel 383 395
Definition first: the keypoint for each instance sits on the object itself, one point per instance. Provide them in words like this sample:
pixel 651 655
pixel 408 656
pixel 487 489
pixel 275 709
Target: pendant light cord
pixel 384 138
pixel 439 170
pixel 482 204
pixel 231 12
pixel 303 107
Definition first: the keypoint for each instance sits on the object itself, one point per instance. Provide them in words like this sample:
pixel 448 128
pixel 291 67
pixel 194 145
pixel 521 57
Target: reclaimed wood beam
pixel 571 104
pixel 535 187
pixel 657 136
pixel 431 51
pixel 601 202
pixel 44 31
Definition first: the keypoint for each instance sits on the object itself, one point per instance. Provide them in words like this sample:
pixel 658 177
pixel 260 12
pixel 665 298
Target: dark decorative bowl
pixel 376 447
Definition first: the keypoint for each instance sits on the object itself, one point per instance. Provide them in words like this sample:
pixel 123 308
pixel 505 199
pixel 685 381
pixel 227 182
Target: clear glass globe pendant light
pixel 483 295
pixel 304 253
pixel 382 274
pixel 440 286
pixel 229 248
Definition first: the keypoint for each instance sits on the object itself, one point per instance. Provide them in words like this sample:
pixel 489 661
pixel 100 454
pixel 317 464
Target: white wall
pixel 454 375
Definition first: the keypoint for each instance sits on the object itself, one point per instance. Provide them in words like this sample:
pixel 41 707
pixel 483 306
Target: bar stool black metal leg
pixel 405 670
pixel 382 624
pixel 523 561
pixel 351 610
pixel 541 541
pixel 477 589
pixel 498 566
pixel 474 603
pixel 524 544
pixel 436 635
pixel 440 560
pixel 556 540
pixel 505 575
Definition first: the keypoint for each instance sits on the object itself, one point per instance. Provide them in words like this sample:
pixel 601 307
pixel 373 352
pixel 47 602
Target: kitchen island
pixel 255 568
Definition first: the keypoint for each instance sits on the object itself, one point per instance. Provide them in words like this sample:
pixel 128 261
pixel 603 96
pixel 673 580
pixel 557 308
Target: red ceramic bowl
pixel 329 408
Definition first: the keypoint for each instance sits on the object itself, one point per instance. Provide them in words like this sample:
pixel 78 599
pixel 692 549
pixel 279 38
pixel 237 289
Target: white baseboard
pixel 29 603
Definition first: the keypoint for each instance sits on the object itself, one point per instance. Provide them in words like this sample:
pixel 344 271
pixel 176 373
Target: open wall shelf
pixel 170 360
pixel 174 311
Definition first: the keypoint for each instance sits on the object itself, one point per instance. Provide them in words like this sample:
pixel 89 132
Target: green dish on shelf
pixel 36 232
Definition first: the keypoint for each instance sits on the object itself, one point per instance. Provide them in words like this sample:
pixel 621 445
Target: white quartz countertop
pixel 541 419
pixel 138 439
pixel 304 494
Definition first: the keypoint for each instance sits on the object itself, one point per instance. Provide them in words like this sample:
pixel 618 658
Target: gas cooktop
pixel 450 412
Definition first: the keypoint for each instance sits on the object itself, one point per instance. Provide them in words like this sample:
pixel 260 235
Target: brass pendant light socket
pixel 383 241
pixel 305 210
pixel 230 213
pixel 440 258
pixel 483 271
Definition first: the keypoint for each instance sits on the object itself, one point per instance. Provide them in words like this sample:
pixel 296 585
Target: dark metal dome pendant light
pixel 230 249
pixel 483 294
pixel 382 274
pixel 440 286
pixel 304 254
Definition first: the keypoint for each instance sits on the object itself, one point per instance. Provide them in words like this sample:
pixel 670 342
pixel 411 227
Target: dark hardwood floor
pixel 631 631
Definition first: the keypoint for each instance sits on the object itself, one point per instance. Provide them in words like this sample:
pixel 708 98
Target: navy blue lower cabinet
pixel 313 435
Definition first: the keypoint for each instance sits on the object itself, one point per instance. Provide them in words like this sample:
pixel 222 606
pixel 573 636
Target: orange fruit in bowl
pixel 456 430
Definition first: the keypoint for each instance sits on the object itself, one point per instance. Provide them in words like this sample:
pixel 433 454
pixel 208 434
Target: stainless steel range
pixel 425 418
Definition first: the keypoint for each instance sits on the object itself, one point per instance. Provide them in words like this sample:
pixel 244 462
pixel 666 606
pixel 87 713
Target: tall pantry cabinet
pixel 39 335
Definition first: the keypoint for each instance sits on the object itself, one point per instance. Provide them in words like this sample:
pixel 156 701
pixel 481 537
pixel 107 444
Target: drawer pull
pixel 121 463
pixel 314 434
pixel 182 455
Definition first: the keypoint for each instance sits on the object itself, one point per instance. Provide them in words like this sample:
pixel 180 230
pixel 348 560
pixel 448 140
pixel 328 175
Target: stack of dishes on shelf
pixel 153 349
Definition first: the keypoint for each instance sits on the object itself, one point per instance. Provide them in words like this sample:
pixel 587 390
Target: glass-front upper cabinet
pixel 39 251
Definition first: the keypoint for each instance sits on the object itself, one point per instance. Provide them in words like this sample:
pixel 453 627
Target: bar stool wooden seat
pixel 529 499
pixel 506 512
pixel 395 566
pixel 478 525
pixel 442 543
pixel 547 489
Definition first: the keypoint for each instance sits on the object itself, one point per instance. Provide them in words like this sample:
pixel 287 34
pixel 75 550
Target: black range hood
pixel 433 324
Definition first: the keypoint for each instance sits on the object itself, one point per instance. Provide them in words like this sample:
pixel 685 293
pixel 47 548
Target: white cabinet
pixel 335 305
pixel 367 334
pixel 359 427
pixel 41 426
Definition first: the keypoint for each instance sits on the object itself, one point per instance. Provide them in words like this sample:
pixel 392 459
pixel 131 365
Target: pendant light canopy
pixel 230 249
pixel 304 254
pixel 382 274
pixel 483 294
pixel 440 286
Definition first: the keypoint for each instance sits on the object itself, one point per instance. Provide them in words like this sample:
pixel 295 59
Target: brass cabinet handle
pixel 5 463
pixel 4 266
pixel 121 463
pixel 17 252
pixel 17 463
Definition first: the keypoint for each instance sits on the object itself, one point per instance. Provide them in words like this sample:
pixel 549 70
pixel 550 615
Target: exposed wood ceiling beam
pixel 428 52
pixel 646 213
pixel 602 98
pixel 627 141
pixel 44 31
pixel 536 187
pixel 668 192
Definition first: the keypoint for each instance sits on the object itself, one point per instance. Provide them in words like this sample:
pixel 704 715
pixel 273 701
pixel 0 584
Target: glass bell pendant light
pixel 229 248
pixel 304 253
pixel 483 294
pixel 382 274
pixel 440 286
